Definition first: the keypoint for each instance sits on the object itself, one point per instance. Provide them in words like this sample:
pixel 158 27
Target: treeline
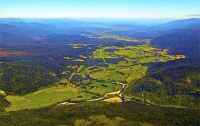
pixel 3 103
pixel 22 79
pixel 177 86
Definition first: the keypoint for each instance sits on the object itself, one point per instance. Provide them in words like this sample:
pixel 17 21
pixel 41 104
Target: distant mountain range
pixel 179 36
pixel 193 23
pixel 185 42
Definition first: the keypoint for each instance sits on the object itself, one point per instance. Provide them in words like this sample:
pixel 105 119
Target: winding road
pixel 108 97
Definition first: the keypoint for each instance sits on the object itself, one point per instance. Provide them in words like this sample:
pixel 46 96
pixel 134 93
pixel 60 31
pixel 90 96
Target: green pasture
pixel 124 64
pixel 100 88
pixel 137 72
pixel 112 66
pixel 80 69
pixel 127 53
pixel 146 60
pixel 45 97
pixel 108 75
pixel 101 53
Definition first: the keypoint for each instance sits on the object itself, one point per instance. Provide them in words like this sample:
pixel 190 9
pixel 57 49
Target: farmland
pixel 122 38
pixel 92 76
pixel 130 68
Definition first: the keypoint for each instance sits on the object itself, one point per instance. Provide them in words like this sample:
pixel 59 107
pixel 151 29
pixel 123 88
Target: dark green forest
pixel 132 113
pixel 3 103
pixel 185 42
pixel 177 86
pixel 21 79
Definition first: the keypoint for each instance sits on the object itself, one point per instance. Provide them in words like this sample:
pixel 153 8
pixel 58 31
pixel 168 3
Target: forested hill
pixel 177 86
pixel 22 79
pixel 185 42
pixel 191 23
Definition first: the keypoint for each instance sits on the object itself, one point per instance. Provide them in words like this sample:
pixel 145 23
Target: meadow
pixel 45 97
pixel 99 88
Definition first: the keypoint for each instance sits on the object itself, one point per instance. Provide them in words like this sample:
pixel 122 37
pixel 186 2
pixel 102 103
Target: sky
pixel 100 8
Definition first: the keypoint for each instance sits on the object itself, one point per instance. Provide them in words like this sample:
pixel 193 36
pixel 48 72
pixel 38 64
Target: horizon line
pixel 91 18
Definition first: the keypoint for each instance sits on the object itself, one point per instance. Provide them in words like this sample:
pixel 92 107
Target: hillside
pixel 22 79
pixel 178 86
pixel 191 23
pixel 185 42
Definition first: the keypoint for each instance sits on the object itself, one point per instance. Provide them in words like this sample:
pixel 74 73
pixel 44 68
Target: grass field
pixel 107 75
pixel 127 53
pixel 100 88
pixel 45 97
pixel 101 53
pixel 118 72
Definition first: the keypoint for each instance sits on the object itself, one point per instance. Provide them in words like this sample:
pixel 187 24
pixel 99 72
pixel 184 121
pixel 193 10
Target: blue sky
pixel 100 8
